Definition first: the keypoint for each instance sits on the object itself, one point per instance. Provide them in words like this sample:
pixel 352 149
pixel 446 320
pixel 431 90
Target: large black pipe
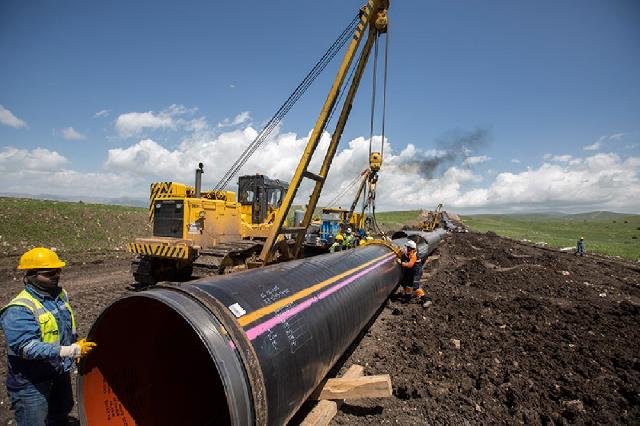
pixel 241 349
pixel 426 242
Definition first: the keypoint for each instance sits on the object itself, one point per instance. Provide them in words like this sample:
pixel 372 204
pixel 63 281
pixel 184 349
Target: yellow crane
pixel 432 223
pixel 219 230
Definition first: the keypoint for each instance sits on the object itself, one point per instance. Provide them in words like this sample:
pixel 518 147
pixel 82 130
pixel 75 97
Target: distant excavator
pixel 433 220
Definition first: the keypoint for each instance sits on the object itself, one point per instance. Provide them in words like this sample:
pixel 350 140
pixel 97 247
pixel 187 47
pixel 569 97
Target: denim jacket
pixel 29 359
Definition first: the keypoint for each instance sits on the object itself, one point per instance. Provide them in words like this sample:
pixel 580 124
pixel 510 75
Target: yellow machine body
pixel 186 228
pixel 433 222
pixel 357 220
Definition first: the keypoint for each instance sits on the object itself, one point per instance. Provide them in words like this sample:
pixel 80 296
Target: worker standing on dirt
pixel 41 343
pixel 337 244
pixel 580 248
pixel 412 274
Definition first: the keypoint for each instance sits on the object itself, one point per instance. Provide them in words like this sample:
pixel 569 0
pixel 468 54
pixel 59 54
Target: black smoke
pixel 452 148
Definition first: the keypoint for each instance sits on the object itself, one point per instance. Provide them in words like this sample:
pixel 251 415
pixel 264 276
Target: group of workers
pixel 42 343
pixel 411 265
pixel 347 240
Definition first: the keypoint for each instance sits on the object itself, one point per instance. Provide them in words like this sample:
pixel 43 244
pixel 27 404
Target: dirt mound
pixel 517 334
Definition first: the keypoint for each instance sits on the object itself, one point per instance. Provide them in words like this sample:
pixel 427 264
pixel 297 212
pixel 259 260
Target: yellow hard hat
pixel 339 237
pixel 582 238
pixel 40 258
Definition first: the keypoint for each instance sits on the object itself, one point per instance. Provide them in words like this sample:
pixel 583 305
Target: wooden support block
pixel 433 258
pixel 321 414
pixel 352 372
pixel 360 387
pixel 325 410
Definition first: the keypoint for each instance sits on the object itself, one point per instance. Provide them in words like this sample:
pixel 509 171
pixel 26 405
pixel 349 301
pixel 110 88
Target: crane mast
pixel 373 17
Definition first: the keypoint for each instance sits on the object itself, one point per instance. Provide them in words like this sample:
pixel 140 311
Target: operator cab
pixel 262 193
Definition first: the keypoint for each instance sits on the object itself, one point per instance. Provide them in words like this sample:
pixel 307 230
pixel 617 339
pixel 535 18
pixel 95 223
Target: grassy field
pixel 604 232
pixel 396 220
pixel 98 228
pixel 70 227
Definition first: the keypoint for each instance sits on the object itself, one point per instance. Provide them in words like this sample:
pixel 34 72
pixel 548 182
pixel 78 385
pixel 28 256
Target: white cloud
pixel 43 172
pixel 70 133
pixel 475 160
pixel 243 117
pixel 232 86
pixel 558 158
pixel 38 159
pixel 602 140
pixel 515 161
pixel 102 113
pixel 593 147
pixel 7 118
pixel 74 184
pixel 133 123
pixel 601 181
pixel 617 136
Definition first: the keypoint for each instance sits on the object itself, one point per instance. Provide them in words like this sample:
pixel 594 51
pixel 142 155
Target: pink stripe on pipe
pixel 262 328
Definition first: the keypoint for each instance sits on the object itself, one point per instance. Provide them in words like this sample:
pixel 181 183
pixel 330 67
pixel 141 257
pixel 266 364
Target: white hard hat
pixel 411 244
pixel 349 230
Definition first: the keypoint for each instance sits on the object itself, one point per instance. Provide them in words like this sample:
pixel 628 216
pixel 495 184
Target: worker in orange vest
pixel 412 268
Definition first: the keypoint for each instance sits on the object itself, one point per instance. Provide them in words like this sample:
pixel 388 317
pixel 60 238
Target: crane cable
pixel 344 190
pixel 331 52
pixel 373 91
pixel 371 200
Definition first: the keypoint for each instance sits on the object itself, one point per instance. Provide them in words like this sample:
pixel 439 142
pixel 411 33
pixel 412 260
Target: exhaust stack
pixel 199 172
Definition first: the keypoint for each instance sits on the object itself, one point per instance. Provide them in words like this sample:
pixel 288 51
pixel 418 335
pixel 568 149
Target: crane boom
pixel 374 16
pixel 363 183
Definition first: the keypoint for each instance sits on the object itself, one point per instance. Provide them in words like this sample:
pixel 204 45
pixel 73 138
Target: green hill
pixel 72 228
pixel 81 228
pixel 607 233
pixel 395 220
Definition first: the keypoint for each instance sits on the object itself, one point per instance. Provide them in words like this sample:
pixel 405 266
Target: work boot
pixel 425 301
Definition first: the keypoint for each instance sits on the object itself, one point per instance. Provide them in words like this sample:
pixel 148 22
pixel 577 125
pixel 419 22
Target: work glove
pixel 71 351
pixel 399 261
pixel 85 347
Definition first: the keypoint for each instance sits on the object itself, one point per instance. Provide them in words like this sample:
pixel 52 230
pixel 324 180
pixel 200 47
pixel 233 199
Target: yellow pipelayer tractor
pixel 432 221
pixel 218 231
pixel 209 230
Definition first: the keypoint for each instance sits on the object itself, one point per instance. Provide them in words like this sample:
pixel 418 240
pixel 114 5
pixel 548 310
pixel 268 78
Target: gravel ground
pixel 517 334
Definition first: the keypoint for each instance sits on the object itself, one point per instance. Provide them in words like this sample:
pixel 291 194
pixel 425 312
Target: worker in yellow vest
pixel 41 343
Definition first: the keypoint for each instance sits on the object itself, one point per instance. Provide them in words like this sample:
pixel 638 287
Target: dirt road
pixel 517 334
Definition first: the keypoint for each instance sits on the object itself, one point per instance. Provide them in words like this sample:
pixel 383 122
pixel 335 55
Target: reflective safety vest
pixel 49 330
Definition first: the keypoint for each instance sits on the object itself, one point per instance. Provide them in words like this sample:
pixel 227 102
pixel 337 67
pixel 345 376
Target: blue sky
pixel 103 98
